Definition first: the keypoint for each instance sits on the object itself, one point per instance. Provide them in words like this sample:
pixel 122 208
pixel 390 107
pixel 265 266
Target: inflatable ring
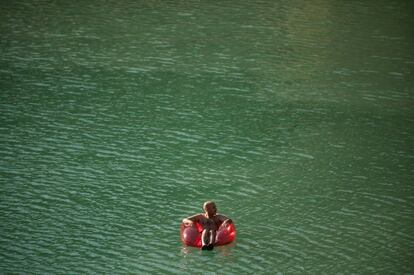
pixel 191 235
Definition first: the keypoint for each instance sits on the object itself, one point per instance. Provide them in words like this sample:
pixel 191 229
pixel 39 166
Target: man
pixel 210 222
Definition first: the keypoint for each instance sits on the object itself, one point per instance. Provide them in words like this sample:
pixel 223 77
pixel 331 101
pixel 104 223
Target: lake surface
pixel 120 118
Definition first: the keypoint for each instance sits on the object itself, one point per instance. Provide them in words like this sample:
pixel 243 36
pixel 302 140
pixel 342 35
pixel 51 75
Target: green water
pixel 120 118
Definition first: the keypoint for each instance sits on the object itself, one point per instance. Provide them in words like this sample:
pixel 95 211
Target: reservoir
pixel 120 118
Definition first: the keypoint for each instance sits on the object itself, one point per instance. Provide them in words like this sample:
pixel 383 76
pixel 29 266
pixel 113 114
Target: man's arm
pixel 190 220
pixel 225 220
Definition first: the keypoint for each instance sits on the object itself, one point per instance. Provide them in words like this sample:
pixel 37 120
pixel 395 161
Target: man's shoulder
pixel 220 216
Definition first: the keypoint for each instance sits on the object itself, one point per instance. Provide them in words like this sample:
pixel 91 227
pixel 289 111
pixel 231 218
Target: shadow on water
pixel 224 250
pixel 194 258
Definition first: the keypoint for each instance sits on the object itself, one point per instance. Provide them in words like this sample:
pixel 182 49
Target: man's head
pixel 210 209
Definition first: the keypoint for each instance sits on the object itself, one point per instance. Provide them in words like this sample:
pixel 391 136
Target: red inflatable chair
pixel 191 235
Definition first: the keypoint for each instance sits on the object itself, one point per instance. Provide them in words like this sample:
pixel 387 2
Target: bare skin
pixel 210 221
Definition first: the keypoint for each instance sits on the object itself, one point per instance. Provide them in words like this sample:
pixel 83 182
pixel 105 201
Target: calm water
pixel 119 118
